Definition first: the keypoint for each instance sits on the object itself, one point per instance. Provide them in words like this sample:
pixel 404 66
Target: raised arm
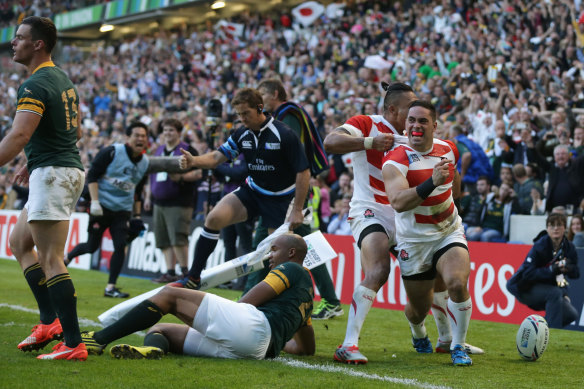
pixel 340 141
pixel 206 161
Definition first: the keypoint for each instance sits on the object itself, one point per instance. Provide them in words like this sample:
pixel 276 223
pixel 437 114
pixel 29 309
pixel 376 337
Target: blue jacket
pixel 538 267
pixel 479 163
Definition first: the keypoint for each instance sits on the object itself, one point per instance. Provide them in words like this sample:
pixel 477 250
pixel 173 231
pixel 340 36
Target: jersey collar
pixel 44 65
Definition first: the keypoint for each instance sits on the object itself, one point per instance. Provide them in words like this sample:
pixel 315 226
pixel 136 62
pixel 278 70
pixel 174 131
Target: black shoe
pixel 115 292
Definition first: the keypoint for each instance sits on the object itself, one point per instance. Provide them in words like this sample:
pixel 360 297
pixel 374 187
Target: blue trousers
pixel 559 312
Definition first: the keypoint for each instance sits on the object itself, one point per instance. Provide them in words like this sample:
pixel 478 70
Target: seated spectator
pixel 496 217
pixel 523 186
pixel 578 142
pixel 576 224
pixel 471 205
pixel 540 282
pixel 341 187
pixel 538 203
pixel 339 224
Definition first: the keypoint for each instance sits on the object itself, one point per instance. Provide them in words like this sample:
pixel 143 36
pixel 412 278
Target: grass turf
pixel 385 340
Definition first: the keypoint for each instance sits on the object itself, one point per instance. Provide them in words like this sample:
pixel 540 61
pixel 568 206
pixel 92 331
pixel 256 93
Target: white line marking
pixel 355 373
pixel 290 362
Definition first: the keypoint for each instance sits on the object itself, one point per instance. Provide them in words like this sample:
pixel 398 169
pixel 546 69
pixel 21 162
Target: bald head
pixel 287 248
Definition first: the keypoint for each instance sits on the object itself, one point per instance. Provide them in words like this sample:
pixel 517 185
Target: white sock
pixel 460 318
pixel 362 301
pixel 418 330
pixel 439 308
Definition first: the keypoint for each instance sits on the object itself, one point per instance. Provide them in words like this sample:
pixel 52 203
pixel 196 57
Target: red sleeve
pixel 362 122
pixel 398 155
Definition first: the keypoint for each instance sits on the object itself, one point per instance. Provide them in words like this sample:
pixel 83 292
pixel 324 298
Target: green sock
pixel 156 339
pixel 64 300
pixel 142 316
pixel 37 282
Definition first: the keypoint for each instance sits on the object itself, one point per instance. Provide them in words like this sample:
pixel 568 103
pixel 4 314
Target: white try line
pixel 327 368
pixel 287 361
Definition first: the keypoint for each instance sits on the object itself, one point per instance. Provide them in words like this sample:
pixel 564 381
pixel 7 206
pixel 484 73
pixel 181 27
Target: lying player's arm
pixel 259 294
pixel 340 141
pixel 23 126
pixel 302 343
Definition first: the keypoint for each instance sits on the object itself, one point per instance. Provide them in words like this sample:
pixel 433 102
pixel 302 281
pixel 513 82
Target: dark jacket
pixel 540 266
pixel 575 172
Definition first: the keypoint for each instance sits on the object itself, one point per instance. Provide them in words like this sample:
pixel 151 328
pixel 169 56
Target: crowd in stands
pixel 507 78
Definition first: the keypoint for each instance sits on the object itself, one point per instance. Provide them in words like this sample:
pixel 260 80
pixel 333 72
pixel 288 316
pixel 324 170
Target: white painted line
pixel 82 321
pixel 355 373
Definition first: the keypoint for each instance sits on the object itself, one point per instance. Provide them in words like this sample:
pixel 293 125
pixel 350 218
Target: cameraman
pixel 540 282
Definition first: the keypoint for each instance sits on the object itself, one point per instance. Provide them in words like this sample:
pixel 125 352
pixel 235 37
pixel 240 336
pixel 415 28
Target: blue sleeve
pixel 236 171
pixel 229 149
pixel 537 268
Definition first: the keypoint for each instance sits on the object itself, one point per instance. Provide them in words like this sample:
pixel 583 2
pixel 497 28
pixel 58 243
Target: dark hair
pixel 42 29
pixel 556 218
pixel 485 178
pixel 425 104
pixel 133 125
pixel 393 93
pixel 178 126
pixel 570 234
pixel 248 96
pixel 274 85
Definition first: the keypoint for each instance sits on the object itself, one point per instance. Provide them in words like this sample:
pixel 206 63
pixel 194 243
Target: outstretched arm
pixel 206 161
pixel 340 141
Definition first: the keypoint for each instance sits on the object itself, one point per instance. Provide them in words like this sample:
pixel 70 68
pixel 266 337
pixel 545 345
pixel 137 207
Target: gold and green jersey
pixel 49 93
pixel 291 309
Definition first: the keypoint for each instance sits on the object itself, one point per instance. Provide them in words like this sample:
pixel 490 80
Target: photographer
pixel 540 282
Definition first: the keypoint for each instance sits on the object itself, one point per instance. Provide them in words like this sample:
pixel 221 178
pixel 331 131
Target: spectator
pixel 566 179
pixel 496 217
pixel 540 282
pixel 342 187
pixel 576 225
pixel 471 205
pixel 172 196
pixel 339 224
pixel 473 160
pixel 523 186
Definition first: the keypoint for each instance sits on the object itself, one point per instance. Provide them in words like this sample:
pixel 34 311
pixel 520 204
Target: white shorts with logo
pixel 225 329
pixel 417 257
pixel 361 217
pixel 53 192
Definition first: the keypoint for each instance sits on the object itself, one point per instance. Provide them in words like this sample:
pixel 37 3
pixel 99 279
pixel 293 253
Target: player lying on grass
pixel 273 316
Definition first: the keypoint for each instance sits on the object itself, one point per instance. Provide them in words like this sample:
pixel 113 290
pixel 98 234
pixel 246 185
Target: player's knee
pixel 456 287
pixel 165 299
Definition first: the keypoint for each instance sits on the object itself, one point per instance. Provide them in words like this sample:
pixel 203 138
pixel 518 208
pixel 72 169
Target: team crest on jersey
pixel 413 158
pixel 272 146
pixel 403 254
pixel 246 144
pixel 368 213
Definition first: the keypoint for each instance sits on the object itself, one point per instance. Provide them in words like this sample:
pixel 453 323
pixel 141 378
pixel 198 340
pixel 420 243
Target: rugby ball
pixel 532 337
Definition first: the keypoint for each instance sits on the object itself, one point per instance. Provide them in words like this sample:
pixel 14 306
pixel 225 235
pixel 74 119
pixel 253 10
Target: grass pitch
pixel 385 340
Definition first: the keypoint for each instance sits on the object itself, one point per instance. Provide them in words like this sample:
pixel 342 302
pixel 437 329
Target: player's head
pixel 398 97
pixel 421 124
pixel 273 93
pixel 42 29
pixel 286 248
pixel 248 105
pixel 137 133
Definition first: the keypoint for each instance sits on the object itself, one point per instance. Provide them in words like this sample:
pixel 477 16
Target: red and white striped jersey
pixel 369 189
pixel 436 216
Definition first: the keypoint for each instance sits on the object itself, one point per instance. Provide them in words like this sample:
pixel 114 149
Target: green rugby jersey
pixel 292 308
pixel 49 93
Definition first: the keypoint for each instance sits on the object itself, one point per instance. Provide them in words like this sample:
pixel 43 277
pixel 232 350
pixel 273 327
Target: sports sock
pixel 156 339
pixel 37 282
pixel 205 246
pixel 171 272
pixel 184 270
pixel 460 318
pixel 64 300
pixel 439 307
pixel 418 330
pixel 362 301
pixel 142 316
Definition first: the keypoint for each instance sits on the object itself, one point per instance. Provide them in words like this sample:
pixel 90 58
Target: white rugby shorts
pixel 416 257
pixel 361 217
pixel 53 192
pixel 225 329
